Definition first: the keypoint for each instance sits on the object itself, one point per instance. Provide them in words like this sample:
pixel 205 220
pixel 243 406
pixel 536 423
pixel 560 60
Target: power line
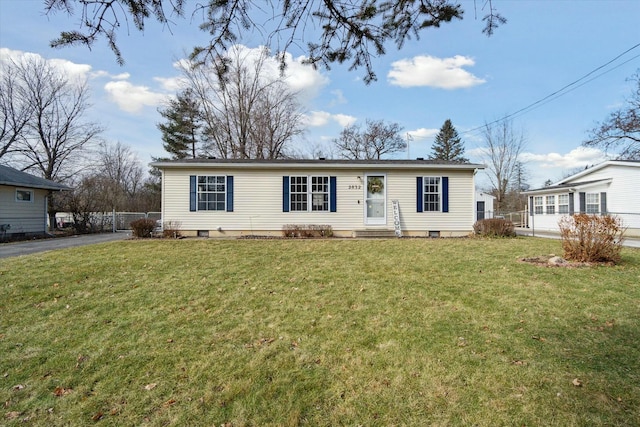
pixel 560 92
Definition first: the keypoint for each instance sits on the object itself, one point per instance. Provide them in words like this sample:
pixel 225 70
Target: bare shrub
pixel 171 229
pixel 494 227
pixel 307 231
pixel 592 238
pixel 143 227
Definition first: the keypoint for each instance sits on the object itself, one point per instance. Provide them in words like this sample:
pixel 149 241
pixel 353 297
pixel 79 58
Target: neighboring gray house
pixel 609 188
pixel 23 202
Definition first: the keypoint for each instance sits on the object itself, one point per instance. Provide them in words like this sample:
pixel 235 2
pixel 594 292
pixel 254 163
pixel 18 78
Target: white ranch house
pixel 216 197
pixel 23 202
pixel 609 188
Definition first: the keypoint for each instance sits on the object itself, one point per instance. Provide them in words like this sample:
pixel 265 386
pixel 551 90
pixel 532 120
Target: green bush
pixel 592 238
pixel 307 231
pixel 143 227
pixel 494 227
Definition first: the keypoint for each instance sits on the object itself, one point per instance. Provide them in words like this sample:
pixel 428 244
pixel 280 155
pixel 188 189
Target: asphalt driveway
pixel 43 245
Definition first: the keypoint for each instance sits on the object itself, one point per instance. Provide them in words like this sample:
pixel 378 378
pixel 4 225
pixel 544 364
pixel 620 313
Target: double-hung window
pixel 309 193
pixel 538 206
pixel 432 192
pixel 551 205
pixel 563 203
pixel 593 203
pixel 319 193
pixel 299 193
pixel 212 193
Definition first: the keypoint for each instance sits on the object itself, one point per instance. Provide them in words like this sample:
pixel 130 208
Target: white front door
pixel 375 206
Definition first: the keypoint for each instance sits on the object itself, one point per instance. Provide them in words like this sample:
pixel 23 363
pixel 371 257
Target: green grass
pixel 318 332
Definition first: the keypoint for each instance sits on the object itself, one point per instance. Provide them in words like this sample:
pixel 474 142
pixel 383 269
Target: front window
pixel 593 203
pixel 551 205
pixel 320 193
pixel 300 192
pixel 538 207
pixel 431 193
pixel 24 195
pixel 563 203
pixel 212 193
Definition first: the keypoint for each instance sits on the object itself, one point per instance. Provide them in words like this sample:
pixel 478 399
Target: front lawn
pixel 318 332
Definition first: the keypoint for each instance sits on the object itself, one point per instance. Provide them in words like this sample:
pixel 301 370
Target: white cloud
pixel 425 70
pixel 171 84
pixel 323 118
pixel 131 98
pixel 344 120
pixel 101 73
pixel 423 133
pixel 70 69
pixel 317 118
pixel 578 157
pixel 338 98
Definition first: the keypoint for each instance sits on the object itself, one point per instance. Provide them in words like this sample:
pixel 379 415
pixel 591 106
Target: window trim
pixel 550 208
pixel 438 193
pixel 31 193
pixel 561 205
pixel 198 192
pixel 596 204
pixel 538 208
pixel 309 193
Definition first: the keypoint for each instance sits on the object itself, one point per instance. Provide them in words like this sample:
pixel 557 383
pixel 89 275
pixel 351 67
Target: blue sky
pixel 453 72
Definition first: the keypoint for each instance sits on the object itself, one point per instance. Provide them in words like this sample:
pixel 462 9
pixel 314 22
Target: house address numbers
pixel 355 187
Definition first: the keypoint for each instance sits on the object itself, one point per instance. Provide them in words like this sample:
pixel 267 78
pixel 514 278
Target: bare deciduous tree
pixel 621 130
pixel 122 175
pixel 503 148
pixel 56 134
pixel 374 142
pixel 248 114
pixel 15 110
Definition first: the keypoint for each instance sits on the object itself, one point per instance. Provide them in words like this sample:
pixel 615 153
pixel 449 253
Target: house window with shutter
pixel 309 193
pixel 432 193
pixel 212 193
pixel 593 203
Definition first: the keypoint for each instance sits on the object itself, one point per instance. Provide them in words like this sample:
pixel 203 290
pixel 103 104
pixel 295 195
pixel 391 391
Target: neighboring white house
pixel 214 197
pixel 611 187
pixel 23 202
pixel 484 205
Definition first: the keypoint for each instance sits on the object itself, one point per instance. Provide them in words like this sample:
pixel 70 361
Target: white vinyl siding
pixel 258 200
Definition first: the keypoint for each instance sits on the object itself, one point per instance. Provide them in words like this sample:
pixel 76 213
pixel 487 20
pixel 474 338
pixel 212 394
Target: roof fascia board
pixel 568 188
pixel 318 165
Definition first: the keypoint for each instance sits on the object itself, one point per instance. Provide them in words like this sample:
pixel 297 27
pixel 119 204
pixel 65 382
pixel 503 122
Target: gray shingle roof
pixel 14 177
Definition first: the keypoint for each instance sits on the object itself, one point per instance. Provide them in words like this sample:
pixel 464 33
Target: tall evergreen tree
pixel 448 145
pixel 180 131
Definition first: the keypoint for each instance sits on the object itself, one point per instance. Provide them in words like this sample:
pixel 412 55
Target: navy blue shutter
pixel 285 194
pixel 193 202
pixel 603 203
pixel 445 194
pixel 229 193
pixel 332 194
pixel 572 207
pixel 419 195
pixel 583 202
